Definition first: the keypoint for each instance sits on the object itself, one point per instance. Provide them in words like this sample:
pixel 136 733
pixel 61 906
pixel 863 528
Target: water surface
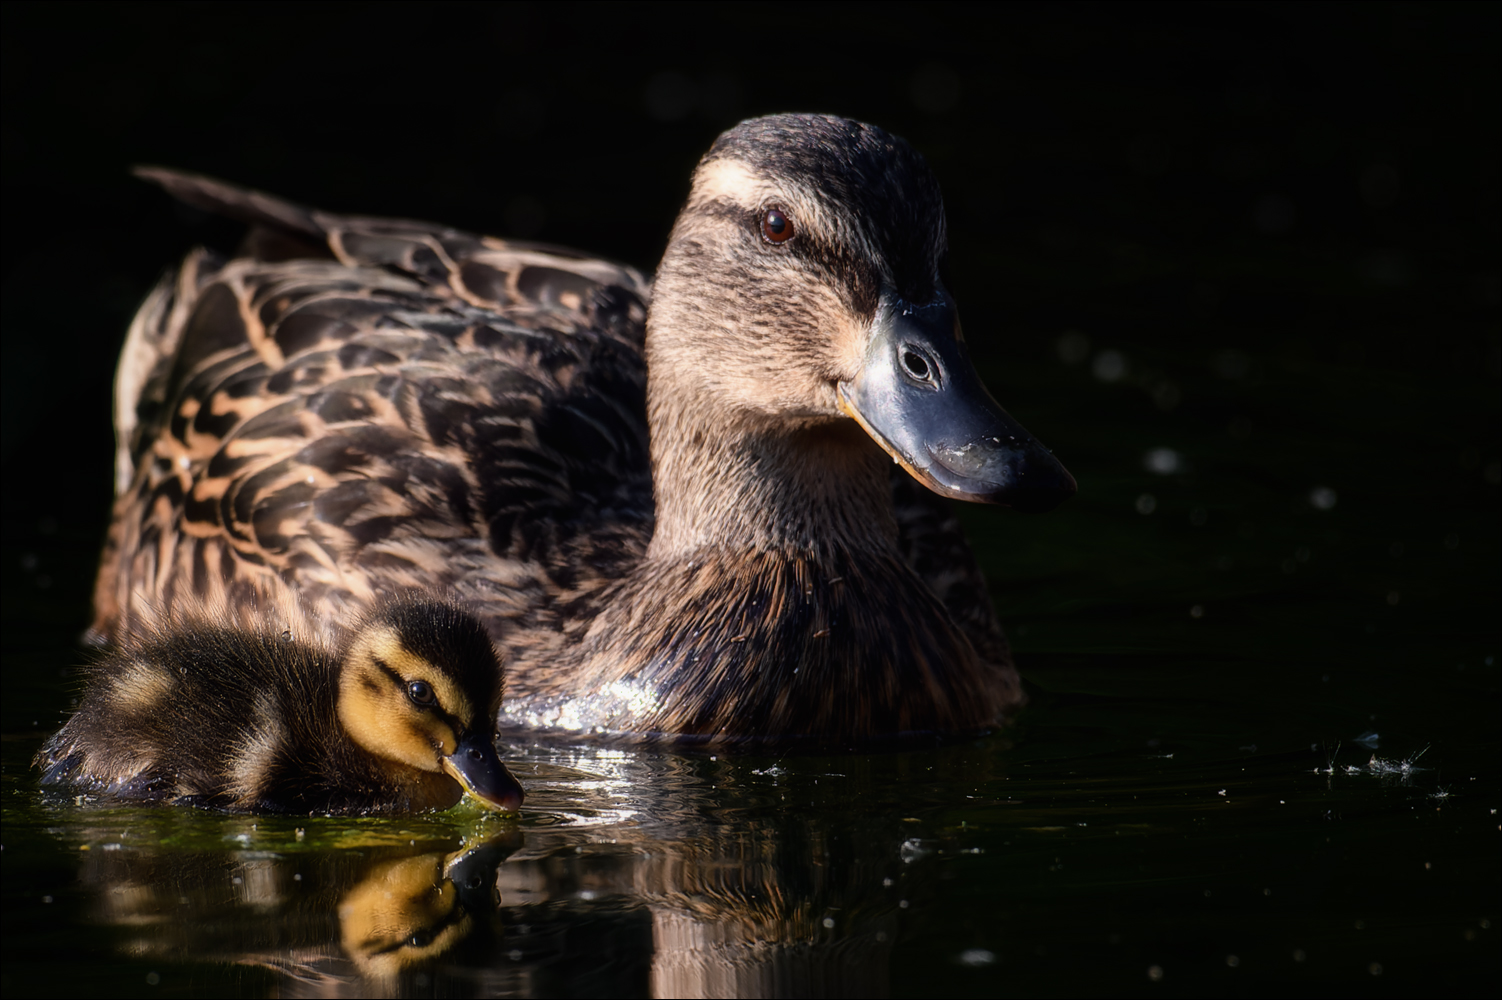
pixel 1260 753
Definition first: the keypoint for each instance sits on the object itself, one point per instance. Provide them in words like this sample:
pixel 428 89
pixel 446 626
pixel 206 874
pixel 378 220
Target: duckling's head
pixel 419 687
pixel 803 283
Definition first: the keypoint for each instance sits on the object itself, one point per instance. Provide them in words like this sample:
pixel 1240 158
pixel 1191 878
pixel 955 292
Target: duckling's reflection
pixel 634 874
pixel 408 912
pixel 350 922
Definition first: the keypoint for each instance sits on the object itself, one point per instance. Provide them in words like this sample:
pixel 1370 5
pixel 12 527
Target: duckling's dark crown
pixel 447 636
pixel 866 171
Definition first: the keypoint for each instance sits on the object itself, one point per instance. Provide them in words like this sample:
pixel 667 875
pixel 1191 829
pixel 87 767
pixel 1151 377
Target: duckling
pixel 703 506
pixel 200 710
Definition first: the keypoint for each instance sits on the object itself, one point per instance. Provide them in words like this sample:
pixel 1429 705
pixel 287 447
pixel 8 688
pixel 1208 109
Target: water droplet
pixel 1109 366
pixel 1163 461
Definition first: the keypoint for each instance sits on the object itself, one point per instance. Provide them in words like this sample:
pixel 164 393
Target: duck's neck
pixel 732 482
pixel 773 600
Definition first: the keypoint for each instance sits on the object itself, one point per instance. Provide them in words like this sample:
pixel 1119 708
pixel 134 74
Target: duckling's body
pixel 198 711
pixel 669 505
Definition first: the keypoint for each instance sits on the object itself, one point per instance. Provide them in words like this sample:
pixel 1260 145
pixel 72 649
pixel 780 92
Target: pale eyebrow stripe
pixel 728 183
pixel 732 181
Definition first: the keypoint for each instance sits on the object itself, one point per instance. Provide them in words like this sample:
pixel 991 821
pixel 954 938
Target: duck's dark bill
pixel 918 395
pixel 474 765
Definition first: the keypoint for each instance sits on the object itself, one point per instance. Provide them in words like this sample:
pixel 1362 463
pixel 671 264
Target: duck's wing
pixel 360 406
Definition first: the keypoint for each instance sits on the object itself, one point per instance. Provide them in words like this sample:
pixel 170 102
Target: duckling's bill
pixel 919 397
pixel 476 766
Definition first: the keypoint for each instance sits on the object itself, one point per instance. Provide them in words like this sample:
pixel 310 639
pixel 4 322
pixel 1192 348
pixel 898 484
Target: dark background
pixel 1274 223
pixel 1221 257
pixel 1216 195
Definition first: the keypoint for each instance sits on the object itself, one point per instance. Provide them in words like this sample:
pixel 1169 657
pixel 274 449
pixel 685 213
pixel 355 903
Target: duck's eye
pixel 776 227
pixel 421 693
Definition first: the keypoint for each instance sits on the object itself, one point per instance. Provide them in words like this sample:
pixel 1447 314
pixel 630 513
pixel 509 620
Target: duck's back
pixel 363 406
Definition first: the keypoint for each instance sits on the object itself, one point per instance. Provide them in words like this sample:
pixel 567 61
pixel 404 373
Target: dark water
pixel 1261 754
pixel 1240 272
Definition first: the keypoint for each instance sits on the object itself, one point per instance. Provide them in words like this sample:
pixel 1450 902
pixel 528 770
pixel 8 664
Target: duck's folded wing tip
pixel 246 205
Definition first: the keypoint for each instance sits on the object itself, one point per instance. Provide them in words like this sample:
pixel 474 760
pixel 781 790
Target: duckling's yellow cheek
pixel 386 726
pixel 421 742
pixel 443 739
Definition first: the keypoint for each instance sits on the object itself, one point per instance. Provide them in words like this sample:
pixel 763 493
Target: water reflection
pixel 678 876
pixel 405 914
pixel 344 922
pixel 967 868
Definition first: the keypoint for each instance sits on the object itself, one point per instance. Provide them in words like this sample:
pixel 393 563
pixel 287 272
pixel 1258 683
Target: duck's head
pixel 419 687
pixel 802 283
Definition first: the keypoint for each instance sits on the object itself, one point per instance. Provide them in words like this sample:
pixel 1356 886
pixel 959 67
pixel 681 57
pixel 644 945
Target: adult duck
pixel 671 505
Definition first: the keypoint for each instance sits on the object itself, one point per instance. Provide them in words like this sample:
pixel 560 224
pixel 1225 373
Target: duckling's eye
pixel 776 227
pixel 421 693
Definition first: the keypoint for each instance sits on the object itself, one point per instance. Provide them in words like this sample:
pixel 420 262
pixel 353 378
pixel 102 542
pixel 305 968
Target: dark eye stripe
pixel 455 723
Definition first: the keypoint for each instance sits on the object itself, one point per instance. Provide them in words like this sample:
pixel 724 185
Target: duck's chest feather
pixel 847 644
